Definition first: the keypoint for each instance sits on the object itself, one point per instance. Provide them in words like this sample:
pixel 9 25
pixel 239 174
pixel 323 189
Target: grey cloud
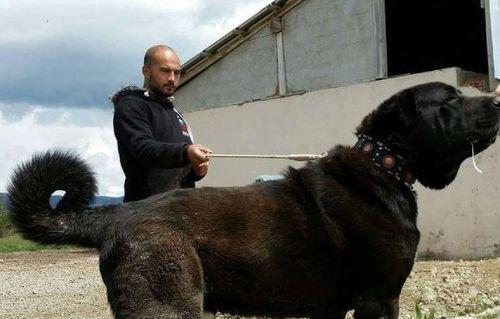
pixel 46 116
pixel 63 73
pixel 76 55
pixel 13 112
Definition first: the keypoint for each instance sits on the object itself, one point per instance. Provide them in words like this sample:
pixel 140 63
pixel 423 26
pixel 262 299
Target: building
pixel 299 76
pixel 294 46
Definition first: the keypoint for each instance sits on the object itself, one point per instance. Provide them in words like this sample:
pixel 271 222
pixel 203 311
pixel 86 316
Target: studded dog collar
pixel 387 160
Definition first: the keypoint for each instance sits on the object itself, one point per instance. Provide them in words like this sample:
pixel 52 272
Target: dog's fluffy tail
pixel 71 221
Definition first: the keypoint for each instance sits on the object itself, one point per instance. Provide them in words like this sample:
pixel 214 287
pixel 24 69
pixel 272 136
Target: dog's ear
pixel 395 114
pixel 437 177
pixel 407 106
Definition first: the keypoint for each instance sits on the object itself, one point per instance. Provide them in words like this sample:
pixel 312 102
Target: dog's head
pixel 438 126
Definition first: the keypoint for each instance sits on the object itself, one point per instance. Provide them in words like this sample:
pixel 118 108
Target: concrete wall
pixel 461 221
pixel 327 43
pixel 247 73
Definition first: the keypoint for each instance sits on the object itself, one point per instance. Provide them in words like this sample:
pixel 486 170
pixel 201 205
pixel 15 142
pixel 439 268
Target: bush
pixel 6 227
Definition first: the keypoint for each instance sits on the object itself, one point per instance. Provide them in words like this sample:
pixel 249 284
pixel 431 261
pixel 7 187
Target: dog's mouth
pixel 479 145
pixel 486 136
pixel 482 116
pixel 485 129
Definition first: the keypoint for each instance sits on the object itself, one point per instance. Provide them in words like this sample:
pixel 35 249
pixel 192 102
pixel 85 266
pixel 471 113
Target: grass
pixel 419 312
pixel 15 242
pixel 10 241
pixel 6 228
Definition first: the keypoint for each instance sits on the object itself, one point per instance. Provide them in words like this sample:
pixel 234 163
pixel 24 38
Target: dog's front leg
pixel 388 309
pixel 370 308
pixel 392 308
pixel 336 315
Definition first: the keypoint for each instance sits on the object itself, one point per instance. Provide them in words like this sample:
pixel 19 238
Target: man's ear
pixel 145 72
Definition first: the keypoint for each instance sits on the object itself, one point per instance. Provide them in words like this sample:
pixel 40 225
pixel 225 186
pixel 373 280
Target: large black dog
pixel 337 234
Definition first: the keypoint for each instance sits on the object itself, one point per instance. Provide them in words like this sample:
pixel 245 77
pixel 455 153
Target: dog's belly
pixel 279 302
pixel 299 288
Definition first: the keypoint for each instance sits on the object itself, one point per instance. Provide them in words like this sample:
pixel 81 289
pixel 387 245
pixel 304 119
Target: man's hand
pixel 201 170
pixel 197 154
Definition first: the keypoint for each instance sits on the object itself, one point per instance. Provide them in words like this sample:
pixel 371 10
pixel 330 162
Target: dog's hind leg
pixel 157 278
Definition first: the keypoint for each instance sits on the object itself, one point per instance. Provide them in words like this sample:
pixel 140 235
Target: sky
pixel 60 60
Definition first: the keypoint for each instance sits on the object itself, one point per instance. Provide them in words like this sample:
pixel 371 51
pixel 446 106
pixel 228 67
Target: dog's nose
pixel 495 104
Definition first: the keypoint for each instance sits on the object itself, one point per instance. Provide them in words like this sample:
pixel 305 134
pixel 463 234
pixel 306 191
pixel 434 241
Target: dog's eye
pixel 453 100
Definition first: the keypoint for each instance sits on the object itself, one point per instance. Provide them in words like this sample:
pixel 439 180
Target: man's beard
pixel 159 92
pixel 160 96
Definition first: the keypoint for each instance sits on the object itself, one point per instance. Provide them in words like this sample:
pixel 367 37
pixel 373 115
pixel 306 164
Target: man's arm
pixel 133 130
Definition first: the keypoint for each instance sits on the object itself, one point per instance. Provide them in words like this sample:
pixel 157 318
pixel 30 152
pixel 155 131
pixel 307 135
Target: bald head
pixel 161 70
pixel 153 52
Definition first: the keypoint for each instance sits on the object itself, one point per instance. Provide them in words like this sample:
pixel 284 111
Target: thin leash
pixel 294 157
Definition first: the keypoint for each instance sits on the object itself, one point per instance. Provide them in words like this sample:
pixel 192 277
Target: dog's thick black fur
pixel 335 235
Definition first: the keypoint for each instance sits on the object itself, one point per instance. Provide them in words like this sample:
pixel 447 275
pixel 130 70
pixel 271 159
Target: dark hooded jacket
pixel 152 139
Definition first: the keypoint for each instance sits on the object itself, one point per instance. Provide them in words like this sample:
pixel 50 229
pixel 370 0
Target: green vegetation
pixel 15 242
pixel 10 241
pixel 419 312
pixel 6 228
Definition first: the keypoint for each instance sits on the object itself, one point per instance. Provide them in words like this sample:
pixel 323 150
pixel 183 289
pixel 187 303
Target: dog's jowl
pixel 335 235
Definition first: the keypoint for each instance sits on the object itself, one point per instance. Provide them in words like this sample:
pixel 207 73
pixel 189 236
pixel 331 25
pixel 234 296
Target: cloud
pixel 66 130
pixel 75 53
pixel 60 60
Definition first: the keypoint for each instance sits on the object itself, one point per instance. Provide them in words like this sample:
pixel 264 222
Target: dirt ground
pixel 66 284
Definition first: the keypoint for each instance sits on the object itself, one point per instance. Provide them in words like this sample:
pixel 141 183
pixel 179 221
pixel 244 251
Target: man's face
pixel 164 73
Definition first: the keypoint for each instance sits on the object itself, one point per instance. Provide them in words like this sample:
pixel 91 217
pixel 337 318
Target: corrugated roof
pixel 234 38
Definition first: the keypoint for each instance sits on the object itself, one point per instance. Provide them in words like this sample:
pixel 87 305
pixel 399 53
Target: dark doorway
pixel 434 34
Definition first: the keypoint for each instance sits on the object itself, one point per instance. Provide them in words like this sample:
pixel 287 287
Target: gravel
pixel 51 284
pixel 67 284
pixel 453 288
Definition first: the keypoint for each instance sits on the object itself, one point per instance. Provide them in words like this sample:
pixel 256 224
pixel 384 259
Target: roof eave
pixel 234 38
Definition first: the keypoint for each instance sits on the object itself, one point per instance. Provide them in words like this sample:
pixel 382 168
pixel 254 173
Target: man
pixel 155 143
